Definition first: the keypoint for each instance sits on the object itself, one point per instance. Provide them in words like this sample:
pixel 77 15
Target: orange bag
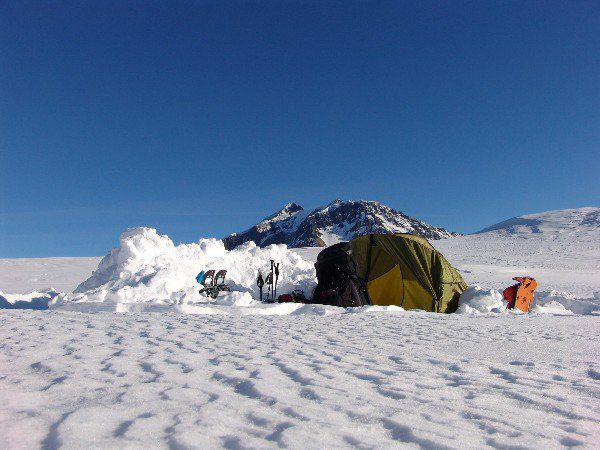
pixel 520 295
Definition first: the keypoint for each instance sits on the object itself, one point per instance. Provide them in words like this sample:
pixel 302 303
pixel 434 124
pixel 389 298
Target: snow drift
pixel 33 300
pixel 149 268
pixel 477 300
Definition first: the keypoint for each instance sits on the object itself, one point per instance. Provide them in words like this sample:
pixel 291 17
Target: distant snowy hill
pixel 561 249
pixel 338 221
pixel 561 222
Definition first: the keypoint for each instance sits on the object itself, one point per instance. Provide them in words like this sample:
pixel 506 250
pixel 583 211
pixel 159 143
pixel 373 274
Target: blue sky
pixel 200 118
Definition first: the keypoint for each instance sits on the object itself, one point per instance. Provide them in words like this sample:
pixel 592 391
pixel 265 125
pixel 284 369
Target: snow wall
pixel 147 272
pixel 148 268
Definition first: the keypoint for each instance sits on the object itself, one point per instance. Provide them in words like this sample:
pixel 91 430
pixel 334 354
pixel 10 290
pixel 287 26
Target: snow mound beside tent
pixel 477 300
pixel 148 268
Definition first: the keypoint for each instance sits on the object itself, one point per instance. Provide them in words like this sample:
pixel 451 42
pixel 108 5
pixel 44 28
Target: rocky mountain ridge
pixel 335 222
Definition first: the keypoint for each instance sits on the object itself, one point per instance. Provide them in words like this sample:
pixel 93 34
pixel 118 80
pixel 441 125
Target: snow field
pixel 21 275
pixel 370 379
pixel 478 300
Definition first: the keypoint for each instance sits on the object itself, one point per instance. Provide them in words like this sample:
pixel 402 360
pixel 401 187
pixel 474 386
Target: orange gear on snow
pixel 520 295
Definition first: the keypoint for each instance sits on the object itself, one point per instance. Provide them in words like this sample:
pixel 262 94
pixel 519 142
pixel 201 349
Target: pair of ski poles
pixel 271 282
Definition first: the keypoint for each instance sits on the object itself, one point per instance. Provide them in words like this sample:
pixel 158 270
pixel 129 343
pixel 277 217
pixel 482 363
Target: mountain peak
pixel 340 220
pixel 285 212
pixel 293 207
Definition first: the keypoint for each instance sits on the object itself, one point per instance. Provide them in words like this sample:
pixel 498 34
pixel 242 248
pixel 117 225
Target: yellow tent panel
pixel 387 289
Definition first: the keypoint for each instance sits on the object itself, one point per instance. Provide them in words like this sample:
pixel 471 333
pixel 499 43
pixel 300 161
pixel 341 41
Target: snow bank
pixel 33 300
pixel 148 268
pixel 554 300
pixel 479 300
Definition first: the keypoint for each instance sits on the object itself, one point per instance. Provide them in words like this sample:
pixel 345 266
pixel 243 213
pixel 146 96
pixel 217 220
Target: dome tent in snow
pixel 405 270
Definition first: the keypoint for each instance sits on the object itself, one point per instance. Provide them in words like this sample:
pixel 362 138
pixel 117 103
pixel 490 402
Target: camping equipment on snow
pixel 212 284
pixel 296 296
pixel 285 298
pixel 271 281
pixel 520 295
pixel 338 281
pixel 406 270
pixel 276 278
pixel 260 283
pixel 397 269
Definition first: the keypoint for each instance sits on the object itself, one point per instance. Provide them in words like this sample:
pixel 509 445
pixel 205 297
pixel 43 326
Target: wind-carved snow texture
pixel 33 300
pixel 363 380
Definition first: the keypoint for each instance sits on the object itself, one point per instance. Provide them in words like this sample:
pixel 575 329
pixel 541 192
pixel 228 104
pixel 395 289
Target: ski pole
pixel 272 293
pixel 276 278
pixel 260 283
pixel 269 283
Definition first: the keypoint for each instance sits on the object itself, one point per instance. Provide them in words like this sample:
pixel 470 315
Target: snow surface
pixel 21 275
pixel 32 300
pixel 374 377
pixel 574 222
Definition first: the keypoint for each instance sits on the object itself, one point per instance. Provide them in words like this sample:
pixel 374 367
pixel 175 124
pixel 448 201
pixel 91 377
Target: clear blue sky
pixel 199 118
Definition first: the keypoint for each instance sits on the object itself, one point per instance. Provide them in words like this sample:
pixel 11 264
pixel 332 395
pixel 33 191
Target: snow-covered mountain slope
pixel 338 221
pixel 561 249
pixel 571 223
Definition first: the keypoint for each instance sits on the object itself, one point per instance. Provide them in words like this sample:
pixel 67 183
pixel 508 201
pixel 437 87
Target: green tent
pixel 405 270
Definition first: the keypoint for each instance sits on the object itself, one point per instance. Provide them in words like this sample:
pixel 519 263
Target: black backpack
pixel 338 281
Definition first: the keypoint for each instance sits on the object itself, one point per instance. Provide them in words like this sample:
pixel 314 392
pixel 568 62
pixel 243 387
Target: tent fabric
pixel 406 270
pixel 386 288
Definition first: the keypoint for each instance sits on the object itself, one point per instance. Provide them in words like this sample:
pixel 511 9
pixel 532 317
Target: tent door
pixel 388 288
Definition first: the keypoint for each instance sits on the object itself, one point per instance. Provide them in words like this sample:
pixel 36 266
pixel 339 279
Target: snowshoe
pixel 213 284
pixel 219 282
